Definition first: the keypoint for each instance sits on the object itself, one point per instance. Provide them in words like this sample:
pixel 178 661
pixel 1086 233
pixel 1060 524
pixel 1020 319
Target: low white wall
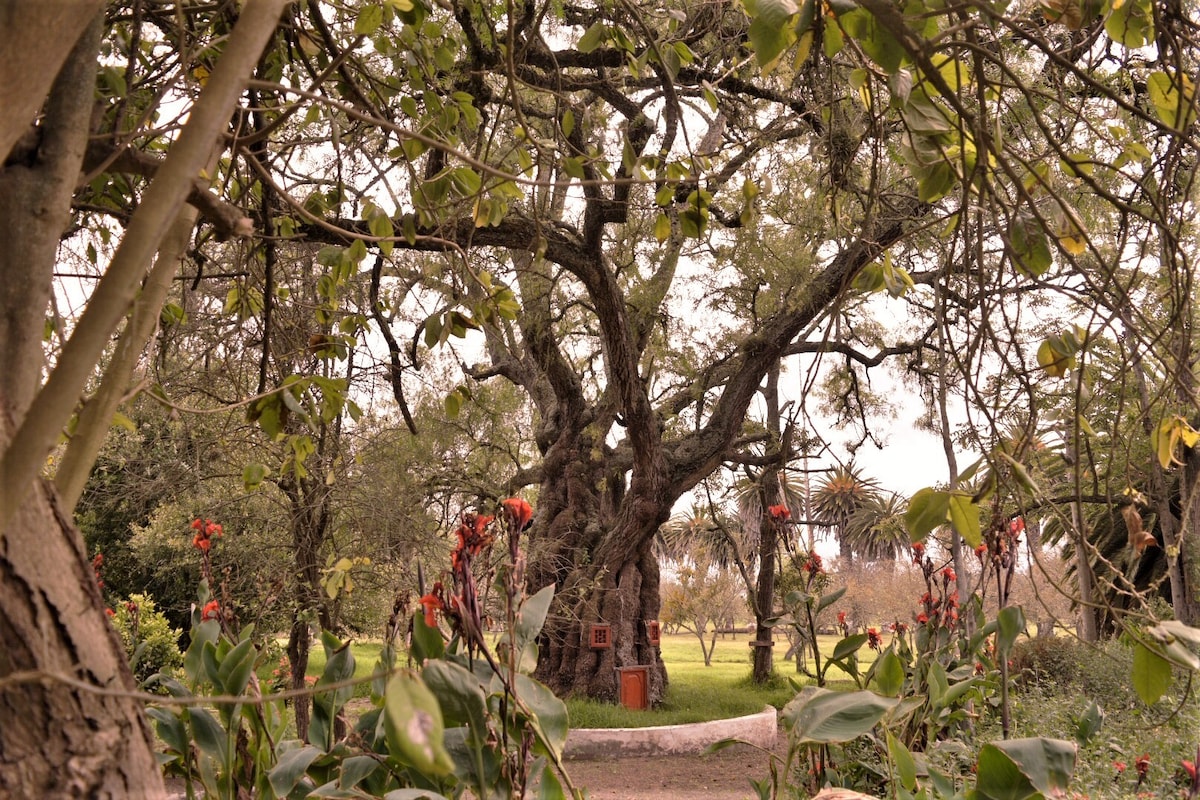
pixel 759 729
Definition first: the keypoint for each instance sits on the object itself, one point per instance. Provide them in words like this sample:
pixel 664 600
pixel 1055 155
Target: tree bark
pixel 60 739
pixel 35 41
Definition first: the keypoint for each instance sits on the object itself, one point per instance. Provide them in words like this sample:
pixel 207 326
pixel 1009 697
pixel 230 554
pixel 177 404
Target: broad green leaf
pixel 928 509
pixel 549 714
pixel 369 19
pixel 427 642
pixel 889 673
pixel 1151 674
pixel 592 38
pixel 207 733
pixel 769 32
pixel 822 716
pixel 1088 723
pixel 1130 22
pixel 964 516
pixel 662 228
pixel 459 694
pixel 290 767
pixel 1028 247
pixel 253 475
pixel 848 646
pixel 876 40
pixel 1174 107
pixel 413 725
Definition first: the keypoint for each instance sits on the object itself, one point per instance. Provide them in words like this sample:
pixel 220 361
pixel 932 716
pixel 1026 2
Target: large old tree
pixel 637 211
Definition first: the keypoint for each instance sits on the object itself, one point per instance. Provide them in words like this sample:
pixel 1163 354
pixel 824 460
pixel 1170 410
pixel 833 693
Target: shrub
pixel 151 644
pixel 1099 672
pixel 1047 659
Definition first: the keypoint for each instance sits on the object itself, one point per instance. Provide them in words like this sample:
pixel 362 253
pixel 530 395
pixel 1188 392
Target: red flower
pixel 841 618
pixel 874 640
pixel 918 549
pixel 519 512
pixel 981 551
pixel 979 670
pixel 109 612
pixel 779 512
pixel 1015 526
pixel 1190 768
pixel 922 617
pixel 205 531
pixel 948 574
pixel 431 603
pixel 1120 766
pixel 1142 765
pixel 813 564
pixel 212 610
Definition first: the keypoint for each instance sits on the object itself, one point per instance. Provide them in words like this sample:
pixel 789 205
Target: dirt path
pixel 720 776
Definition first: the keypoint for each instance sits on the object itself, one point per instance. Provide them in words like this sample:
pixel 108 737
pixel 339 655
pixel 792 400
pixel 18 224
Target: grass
pixel 696 693
pixel 366 656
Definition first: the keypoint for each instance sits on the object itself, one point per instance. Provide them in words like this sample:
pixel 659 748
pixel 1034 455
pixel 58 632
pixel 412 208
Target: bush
pixel 1047 659
pixel 1099 672
pixel 151 644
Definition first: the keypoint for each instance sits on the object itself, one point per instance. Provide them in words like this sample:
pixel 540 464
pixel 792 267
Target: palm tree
pixel 876 529
pixel 836 499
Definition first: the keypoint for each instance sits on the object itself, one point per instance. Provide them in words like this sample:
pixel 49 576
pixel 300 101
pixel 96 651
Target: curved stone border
pixel 591 743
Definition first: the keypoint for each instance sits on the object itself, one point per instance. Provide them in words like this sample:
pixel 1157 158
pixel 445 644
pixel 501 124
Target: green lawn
pixel 695 693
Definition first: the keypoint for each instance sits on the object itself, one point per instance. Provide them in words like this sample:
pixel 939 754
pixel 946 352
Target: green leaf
pixel 876 40
pixel 427 642
pixel 549 714
pixel 1010 623
pixel 1130 22
pixel 368 21
pixel 1174 107
pixel 1028 247
pixel 291 766
pixel 829 599
pixel 207 733
pixel 906 765
pixel 822 716
pixel 1151 674
pixel 927 509
pixel 592 38
pixel 413 725
pixel 1088 723
pixel 1022 768
pixel 964 516
pixel 453 404
pixel 889 673
pixel 769 32
pixel 459 694
pixel 253 475
pixel 848 646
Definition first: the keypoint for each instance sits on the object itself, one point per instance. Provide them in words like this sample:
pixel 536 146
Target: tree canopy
pixel 632 214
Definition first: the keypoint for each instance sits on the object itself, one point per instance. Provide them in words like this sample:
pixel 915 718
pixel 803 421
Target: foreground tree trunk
pixel 88 738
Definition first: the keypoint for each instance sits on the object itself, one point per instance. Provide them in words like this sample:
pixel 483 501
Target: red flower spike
pixel 520 513
pixel 779 512
pixel 922 617
pixel 197 524
pixel 841 616
pixel 874 640
pixel 948 574
pixel 109 612
pixel 212 610
pixel 1190 768
pixel 431 603
pixel 1142 764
